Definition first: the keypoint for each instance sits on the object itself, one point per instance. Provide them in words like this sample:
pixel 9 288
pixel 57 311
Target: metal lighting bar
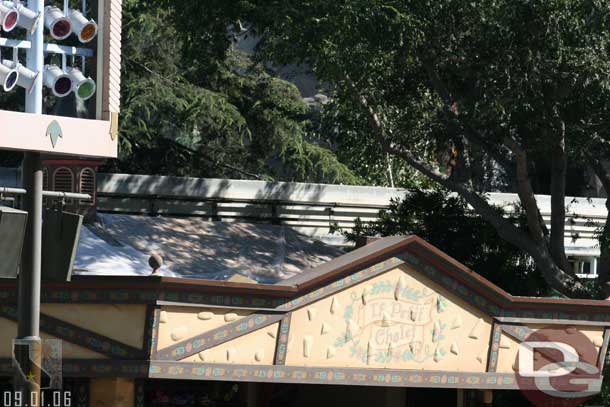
pixel 50 194
pixel 48 48
pixel 28 300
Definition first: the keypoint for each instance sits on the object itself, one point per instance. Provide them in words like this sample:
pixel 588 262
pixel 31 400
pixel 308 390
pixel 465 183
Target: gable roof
pixel 412 250
pixel 396 245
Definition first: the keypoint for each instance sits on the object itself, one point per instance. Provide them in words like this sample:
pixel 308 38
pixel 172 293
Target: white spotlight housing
pixel 28 19
pixel 86 30
pixel 84 88
pixel 57 80
pixel 58 24
pixel 27 78
pixel 9 17
pixel 8 77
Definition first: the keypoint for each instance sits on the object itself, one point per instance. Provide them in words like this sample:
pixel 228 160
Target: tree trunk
pixel 558 205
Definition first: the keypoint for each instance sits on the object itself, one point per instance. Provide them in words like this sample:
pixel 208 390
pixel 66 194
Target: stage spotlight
pixel 84 87
pixel 9 17
pixel 58 24
pixel 8 77
pixel 27 78
pixel 28 19
pixel 57 80
pixel 86 30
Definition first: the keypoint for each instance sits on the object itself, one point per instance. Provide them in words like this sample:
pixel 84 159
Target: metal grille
pixel 45 179
pixel 63 181
pixel 45 184
pixel 87 185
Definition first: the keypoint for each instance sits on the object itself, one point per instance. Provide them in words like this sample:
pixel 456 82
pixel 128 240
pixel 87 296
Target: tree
pixel 194 105
pixel 466 92
pixel 445 221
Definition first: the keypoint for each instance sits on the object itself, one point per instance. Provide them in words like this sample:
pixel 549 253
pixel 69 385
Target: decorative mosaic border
pixel 218 336
pixel 88 368
pixel 98 295
pixel 249 301
pixel 603 351
pixel 80 336
pixel 114 295
pixel 519 332
pixel 451 284
pixel 154 333
pixel 281 347
pixel 494 348
pixel 331 375
pixel 547 321
pixel 343 283
pixel 426 262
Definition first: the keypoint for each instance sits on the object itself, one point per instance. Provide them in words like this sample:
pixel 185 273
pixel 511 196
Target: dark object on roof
pixel 155 261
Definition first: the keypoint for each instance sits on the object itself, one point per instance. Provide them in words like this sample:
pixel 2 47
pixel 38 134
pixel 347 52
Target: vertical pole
pixel 35 59
pixel 29 275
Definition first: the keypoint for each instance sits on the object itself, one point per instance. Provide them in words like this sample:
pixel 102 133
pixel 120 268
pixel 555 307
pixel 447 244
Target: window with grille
pixel 87 185
pixel 63 181
pixel 45 183
pixel 45 179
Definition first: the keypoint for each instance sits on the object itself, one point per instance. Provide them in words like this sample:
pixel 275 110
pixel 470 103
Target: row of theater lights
pixel 14 14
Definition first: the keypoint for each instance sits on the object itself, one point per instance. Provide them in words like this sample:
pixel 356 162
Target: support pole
pixel 29 275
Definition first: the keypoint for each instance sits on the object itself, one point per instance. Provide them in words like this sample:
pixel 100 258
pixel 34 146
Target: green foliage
pixel 194 105
pixel 507 68
pixel 445 221
pixel 463 92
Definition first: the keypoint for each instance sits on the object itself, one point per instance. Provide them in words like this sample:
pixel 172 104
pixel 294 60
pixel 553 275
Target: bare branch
pixel 525 191
pixel 555 276
pixel 473 136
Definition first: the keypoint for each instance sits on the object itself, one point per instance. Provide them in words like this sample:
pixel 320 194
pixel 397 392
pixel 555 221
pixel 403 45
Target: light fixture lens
pixel 61 29
pixel 27 78
pixel 86 90
pixel 57 80
pixel 85 29
pixel 8 77
pixel 10 20
pixel 11 80
pixel 88 32
pixel 57 23
pixel 62 86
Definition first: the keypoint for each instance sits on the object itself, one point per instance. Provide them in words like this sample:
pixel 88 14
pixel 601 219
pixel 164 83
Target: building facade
pixel 396 317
